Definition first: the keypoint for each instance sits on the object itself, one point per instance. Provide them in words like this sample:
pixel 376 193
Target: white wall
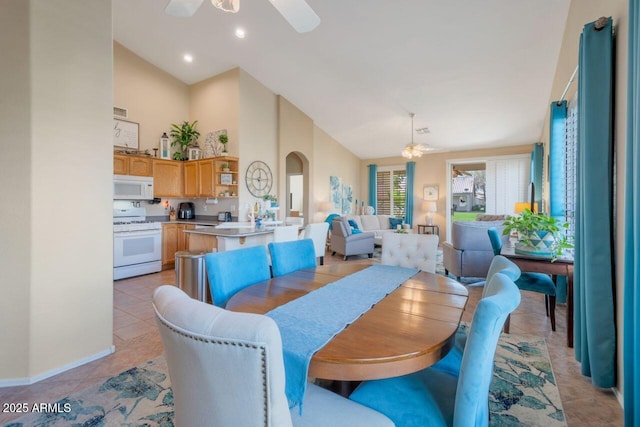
pixel 62 252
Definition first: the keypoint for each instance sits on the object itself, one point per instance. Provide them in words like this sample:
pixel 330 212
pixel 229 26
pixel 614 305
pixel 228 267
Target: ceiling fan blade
pixel 182 8
pixel 298 14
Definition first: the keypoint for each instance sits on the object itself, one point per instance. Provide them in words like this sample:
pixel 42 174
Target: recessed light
pixel 240 33
pixel 187 58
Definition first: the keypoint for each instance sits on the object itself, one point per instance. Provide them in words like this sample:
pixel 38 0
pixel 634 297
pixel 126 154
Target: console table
pixel 429 229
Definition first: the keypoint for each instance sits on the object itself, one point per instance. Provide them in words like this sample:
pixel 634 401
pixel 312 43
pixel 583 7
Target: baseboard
pixel 32 380
pixel 619 396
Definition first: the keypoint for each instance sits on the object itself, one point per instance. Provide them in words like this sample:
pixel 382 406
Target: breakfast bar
pixel 229 236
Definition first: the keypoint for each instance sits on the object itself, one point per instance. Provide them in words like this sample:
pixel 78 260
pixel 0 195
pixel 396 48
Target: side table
pixel 429 229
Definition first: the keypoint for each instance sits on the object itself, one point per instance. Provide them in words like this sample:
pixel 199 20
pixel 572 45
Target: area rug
pixel 523 393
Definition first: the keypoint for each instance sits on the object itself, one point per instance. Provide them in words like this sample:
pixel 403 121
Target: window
pixel 392 191
pixel 571 139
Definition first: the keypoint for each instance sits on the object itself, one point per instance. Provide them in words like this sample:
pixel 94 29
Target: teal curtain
pixel 373 187
pixel 557 176
pixel 557 169
pixel 536 173
pixel 631 316
pixel 595 334
pixel 408 207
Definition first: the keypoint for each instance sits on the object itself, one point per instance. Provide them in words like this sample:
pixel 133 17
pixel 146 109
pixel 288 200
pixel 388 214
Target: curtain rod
pixel 566 89
pixel 598 25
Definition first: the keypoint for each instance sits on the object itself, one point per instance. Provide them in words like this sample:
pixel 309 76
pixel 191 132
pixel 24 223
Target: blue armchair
pixel 287 257
pixel 231 271
pixel 434 398
pixel 535 282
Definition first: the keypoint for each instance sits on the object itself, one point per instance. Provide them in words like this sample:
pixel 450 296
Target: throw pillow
pixel 355 230
pixel 354 225
pixel 394 222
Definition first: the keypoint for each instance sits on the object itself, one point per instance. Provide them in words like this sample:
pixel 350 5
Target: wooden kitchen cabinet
pixel 140 166
pixel 174 239
pixel 124 164
pixel 167 178
pixel 191 179
pixel 120 164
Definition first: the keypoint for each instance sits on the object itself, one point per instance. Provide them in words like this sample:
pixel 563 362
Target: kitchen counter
pixel 230 232
pixel 199 220
pixel 234 236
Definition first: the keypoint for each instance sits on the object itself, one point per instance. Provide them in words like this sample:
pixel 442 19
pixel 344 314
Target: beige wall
pixel 582 12
pixel 214 104
pixel 154 98
pixel 432 169
pixel 295 134
pixel 258 132
pixel 57 275
pixel 15 173
pixel 330 158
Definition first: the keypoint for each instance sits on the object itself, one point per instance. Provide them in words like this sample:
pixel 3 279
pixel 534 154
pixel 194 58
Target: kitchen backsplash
pixel 202 208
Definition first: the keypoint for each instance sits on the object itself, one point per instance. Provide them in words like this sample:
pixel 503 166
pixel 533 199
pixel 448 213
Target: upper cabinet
pixel 124 164
pixel 167 178
pixel 214 177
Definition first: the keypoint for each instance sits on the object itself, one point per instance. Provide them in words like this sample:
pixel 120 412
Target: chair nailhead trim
pixel 263 358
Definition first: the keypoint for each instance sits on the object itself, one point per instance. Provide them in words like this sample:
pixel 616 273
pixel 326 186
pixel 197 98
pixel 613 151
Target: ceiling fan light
pixel 412 150
pixel 232 6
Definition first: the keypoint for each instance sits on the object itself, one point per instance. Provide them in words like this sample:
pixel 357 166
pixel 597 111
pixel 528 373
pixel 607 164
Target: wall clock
pixel 259 179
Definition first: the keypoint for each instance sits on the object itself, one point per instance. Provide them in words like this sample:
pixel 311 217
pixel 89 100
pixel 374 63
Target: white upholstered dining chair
pixel 285 233
pixel 410 250
pixel 226 369
pixel 318 233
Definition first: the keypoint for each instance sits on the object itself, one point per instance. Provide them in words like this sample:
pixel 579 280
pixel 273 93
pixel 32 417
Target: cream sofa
pixel 378 224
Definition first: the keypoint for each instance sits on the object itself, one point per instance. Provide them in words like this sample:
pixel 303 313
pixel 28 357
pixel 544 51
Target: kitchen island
pixel 227 237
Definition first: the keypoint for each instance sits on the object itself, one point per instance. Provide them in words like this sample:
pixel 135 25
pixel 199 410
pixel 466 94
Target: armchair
pixel 346 243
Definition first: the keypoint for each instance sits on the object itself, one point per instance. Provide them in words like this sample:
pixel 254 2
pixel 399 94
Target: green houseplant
pixel 183 136
pixel 538 234
pixel 271 198
pixel 223 140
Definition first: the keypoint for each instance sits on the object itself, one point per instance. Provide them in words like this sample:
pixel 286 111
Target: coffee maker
pixel 186 210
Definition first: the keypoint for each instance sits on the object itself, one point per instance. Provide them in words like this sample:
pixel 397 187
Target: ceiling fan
pixel 297 12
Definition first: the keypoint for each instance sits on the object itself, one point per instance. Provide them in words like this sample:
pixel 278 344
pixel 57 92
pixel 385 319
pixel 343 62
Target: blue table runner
pixel 308 323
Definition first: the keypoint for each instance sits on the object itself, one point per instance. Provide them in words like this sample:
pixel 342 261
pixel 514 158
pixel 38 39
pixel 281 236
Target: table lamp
pixel 521 206
pixel 430 207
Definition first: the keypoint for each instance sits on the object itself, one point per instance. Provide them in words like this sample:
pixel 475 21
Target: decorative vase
pixel 541 244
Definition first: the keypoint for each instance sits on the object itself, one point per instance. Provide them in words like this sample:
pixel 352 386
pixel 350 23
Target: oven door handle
pixel 139 233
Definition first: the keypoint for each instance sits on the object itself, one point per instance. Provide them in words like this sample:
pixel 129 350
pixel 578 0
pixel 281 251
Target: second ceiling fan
pixel 296 12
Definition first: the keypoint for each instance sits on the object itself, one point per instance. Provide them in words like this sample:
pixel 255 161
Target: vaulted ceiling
pixel 477 73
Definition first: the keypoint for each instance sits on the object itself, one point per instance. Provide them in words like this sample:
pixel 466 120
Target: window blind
pixel 392 192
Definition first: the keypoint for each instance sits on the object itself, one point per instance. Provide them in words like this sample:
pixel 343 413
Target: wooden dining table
pixel 410 329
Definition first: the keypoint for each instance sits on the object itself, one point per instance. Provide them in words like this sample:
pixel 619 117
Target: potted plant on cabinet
pixel 225 167
pixel 223 140
pixel 271 199
pixel 538 234
pixel 183 136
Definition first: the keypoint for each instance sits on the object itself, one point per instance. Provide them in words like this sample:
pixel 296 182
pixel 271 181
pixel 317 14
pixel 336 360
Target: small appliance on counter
pixel 186 211
pixel 224 216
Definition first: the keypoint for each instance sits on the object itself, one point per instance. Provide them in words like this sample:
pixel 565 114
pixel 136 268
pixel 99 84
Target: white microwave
pixel 128 187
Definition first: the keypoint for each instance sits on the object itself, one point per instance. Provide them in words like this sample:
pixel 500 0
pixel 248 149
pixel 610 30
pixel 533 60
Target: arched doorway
pixel 297 170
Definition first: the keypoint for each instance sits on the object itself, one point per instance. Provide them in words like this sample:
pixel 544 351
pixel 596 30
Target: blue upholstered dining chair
pixel 231 271
pixel 452 361
pixel 227 369
pixel 535 282
pixel 287 257
pixel 434 398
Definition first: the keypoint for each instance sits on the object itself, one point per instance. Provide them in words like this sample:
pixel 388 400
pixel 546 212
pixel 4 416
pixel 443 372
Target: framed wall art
pixel 430 192
pixel 126 134
pixel 225 178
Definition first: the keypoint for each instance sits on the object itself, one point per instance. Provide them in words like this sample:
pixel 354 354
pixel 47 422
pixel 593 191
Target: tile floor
pixel 137 340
